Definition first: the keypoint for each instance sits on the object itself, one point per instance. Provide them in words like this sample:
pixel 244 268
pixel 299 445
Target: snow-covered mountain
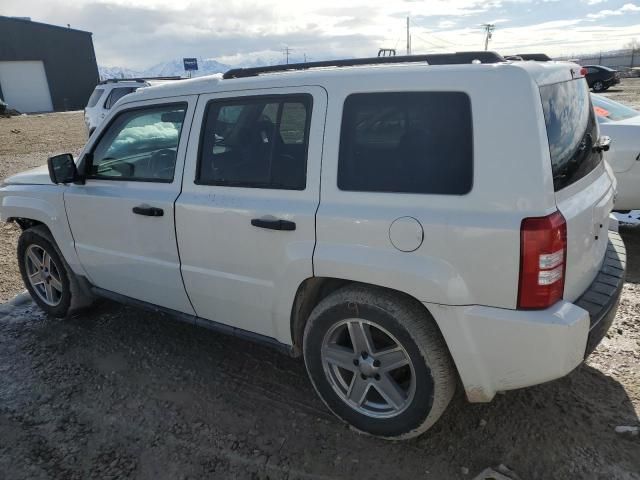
pixel 206 66
pixel 117 72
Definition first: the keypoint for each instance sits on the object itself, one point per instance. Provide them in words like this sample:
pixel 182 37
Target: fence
pixel 622 60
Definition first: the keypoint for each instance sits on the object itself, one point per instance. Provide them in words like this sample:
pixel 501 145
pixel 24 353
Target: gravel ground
pixel 117 392
pixel 627 92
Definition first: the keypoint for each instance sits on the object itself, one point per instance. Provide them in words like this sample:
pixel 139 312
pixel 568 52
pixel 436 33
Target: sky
pixel 138 34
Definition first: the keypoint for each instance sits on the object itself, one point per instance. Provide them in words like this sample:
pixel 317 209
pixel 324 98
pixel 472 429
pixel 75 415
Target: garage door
pixel 24 86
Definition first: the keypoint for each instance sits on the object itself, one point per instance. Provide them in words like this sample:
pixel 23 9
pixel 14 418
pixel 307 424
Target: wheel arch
pixel 312 290
pixel 26 223
pixel 32 206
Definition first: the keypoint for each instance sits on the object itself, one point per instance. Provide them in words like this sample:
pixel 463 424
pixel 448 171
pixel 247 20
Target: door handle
pixel 148 211
pixel 274 224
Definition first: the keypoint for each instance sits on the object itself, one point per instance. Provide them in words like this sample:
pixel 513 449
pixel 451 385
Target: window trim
pixel 396 192
pixel 88 157
pixel 281 98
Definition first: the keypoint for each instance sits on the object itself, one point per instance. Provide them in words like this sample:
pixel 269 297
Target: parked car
pixel 391 224
pixel 104 96
pixel 600 78
pixel 622 124
pixel 538 57
pixel 108 92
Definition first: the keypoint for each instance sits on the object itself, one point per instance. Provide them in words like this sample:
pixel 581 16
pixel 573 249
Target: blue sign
pixel 190 64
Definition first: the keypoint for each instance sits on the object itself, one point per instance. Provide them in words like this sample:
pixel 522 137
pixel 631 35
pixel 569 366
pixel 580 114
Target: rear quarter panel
pixel 471 248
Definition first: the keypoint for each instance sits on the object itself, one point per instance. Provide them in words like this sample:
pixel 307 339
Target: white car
pixel 404 227
pixel 622 125
pixel 105 96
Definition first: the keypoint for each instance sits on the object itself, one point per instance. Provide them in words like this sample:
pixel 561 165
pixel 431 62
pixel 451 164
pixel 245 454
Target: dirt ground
pixel 627 92
pixel 118 392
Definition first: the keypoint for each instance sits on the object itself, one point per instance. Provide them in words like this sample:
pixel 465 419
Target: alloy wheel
pixel 44 275
pixel 368 368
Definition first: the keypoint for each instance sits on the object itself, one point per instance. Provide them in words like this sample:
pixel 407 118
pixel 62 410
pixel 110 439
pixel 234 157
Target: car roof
pixel 541 72
pixel 600 66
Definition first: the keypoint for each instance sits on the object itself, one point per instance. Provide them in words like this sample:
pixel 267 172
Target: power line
pixel 286 51
pixel 428 42
pixel 488 28
pixel 431 35
pixel 408 38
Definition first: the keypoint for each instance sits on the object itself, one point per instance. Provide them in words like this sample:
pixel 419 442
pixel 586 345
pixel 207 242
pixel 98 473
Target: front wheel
pixel 378 361
pixel 48 278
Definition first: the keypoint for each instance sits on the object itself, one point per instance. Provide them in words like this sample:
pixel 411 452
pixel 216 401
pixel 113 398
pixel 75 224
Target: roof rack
pixel 431 59
pixel 139 80
pixel 538 57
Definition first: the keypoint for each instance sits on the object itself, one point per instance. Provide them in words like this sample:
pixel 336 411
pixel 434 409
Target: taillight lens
pixel 583 71
pixel 543 254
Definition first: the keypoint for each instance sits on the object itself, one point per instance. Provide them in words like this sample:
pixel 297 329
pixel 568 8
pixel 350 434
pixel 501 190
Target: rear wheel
pixel 598 86
pixel 378 361
pixel 47 276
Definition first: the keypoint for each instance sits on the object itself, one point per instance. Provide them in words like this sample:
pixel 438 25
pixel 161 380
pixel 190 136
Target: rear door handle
pixel 274 224
pixel 148 211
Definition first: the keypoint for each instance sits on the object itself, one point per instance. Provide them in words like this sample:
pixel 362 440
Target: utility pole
pixel 408 38
pixel 488 28
pixel 286 50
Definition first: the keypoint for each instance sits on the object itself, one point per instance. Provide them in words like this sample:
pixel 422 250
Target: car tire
pixel 47 276
pixel 398 385
pixel 598 86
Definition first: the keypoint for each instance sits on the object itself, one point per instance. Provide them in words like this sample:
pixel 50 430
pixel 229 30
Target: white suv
pixel 105 96
pixel 404 227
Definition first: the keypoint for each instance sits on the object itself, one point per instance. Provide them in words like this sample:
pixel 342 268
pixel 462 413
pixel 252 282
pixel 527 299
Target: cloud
pixel 446 24
pixel 138 34
pixel 626 8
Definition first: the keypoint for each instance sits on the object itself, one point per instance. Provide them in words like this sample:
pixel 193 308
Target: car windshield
pixel 572 131
pixel 608 110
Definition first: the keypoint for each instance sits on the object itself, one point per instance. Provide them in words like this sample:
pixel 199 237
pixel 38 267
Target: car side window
pixel 116 94
pixel 140 144
pixel 406 142
pixel 95 96
pixel 258 142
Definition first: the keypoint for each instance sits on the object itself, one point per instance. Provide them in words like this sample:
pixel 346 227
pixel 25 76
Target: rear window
pixel 571 131
pixel 407 142
pixel 95 96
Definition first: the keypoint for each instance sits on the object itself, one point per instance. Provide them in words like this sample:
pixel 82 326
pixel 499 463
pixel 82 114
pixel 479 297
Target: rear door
pixel 245 220
pixel 583 189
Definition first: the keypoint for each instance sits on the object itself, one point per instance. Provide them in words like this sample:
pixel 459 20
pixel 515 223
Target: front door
pixel 246 217
pixel 122 219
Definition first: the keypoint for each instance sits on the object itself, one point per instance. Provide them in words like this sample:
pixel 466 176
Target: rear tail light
pixel 543 254
pixel 583 71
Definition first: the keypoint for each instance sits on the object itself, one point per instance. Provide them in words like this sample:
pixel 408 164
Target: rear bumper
pixel 497 349
pixel 603 295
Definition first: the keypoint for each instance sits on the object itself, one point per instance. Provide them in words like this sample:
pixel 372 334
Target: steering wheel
pixel 165 159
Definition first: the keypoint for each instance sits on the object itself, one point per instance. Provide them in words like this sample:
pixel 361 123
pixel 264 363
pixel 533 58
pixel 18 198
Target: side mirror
pixel 62 168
